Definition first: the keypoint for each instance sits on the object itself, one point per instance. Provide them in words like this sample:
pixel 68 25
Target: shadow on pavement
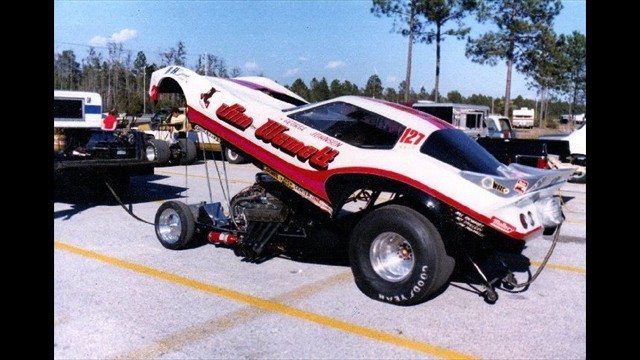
pixel 82 195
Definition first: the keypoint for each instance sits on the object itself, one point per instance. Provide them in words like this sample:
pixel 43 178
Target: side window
pixel 68 109
pixel 504 124
pixel 491 125
pixel 353 125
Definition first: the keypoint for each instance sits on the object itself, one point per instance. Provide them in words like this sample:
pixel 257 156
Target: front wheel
pixel 397 256
pixel 175 225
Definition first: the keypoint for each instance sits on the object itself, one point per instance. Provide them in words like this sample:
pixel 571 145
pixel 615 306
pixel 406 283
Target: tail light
pixel 543 163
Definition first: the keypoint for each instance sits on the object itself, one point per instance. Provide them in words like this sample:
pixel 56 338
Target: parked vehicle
pixel 473 120
pixel 498 126
pixel 466 117
pixel 82 151
pixel 575 118
pixel 406 191
pixel 577 142
pixel 523 118
pixel 529 152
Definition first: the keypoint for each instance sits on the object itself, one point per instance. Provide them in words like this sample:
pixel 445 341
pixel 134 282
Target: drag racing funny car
pixel 409 194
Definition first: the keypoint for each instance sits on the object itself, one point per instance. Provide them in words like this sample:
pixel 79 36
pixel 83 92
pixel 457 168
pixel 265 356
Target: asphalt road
pixel 119 294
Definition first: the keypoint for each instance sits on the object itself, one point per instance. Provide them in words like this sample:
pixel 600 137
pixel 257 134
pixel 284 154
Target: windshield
pixel 352 125
pixel 491 125
pixel 455 148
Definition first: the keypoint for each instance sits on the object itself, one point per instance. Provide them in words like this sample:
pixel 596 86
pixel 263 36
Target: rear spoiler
pixel 519 179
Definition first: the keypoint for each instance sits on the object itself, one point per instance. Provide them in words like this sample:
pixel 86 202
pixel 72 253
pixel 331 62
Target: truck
pixel 473 120
pixel 523 118
pixel 83 152
pixel 529 152
pixel 466 117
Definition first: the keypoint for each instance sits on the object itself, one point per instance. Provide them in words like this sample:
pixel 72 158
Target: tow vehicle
pixel 82 151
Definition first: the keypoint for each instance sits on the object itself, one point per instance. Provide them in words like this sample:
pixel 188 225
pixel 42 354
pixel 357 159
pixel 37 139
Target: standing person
pixel 177 119
pixel 110 122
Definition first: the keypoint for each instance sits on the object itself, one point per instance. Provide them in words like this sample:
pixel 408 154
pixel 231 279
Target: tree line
pixel 555 65
pixel 523 38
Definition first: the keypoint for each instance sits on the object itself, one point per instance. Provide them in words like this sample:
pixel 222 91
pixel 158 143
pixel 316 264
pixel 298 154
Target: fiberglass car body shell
pixel 301 148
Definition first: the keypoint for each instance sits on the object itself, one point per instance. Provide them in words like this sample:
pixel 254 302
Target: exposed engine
pixel 259 215
pixel 255 204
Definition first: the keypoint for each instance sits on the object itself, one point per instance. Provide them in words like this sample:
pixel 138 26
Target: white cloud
pixel 250 66
pixel 335 64
pixel 303 58
pixel 121 36
pixel 124 35
pixel 292 72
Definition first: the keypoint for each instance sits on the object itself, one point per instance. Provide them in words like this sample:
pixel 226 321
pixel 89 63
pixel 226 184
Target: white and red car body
pixel 429 157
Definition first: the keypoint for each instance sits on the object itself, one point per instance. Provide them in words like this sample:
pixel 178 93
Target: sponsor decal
pixel 275 133
pixel 491 184
pixel 294 124
pixel 177 71
pixel 300 191
pixel 501 225
pixel 521 186
pixel 468 223
pixel 204 97
pixel 234 115
pixel 327 139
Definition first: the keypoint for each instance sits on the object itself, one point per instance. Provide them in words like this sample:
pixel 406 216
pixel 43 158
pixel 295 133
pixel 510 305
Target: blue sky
pixel 286 40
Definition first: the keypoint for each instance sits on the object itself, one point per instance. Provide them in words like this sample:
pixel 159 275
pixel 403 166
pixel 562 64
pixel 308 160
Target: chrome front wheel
pixel 174 225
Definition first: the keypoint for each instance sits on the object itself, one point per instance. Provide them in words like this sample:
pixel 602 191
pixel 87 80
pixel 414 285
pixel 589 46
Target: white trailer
pixel 523 118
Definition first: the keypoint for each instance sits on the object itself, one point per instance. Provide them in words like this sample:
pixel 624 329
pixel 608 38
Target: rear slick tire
pixel 397 256
pixel 188 152
pixel 158 151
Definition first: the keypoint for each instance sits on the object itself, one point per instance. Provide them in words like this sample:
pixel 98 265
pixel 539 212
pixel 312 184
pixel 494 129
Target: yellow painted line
pixel 561 267
pixel 204 177
pixel 182 338
pixel 272 306
pixel 63 319
pixel 571 211
pixel 572 222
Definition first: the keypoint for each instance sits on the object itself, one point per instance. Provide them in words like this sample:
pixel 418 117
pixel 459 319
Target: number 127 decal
pixel 411 136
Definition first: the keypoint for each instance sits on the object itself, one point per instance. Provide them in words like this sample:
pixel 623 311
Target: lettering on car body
pixel 234 115
pixel 502 225
pixel 275 133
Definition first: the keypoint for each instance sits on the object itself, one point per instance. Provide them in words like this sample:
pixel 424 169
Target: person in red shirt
pixel 110 122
